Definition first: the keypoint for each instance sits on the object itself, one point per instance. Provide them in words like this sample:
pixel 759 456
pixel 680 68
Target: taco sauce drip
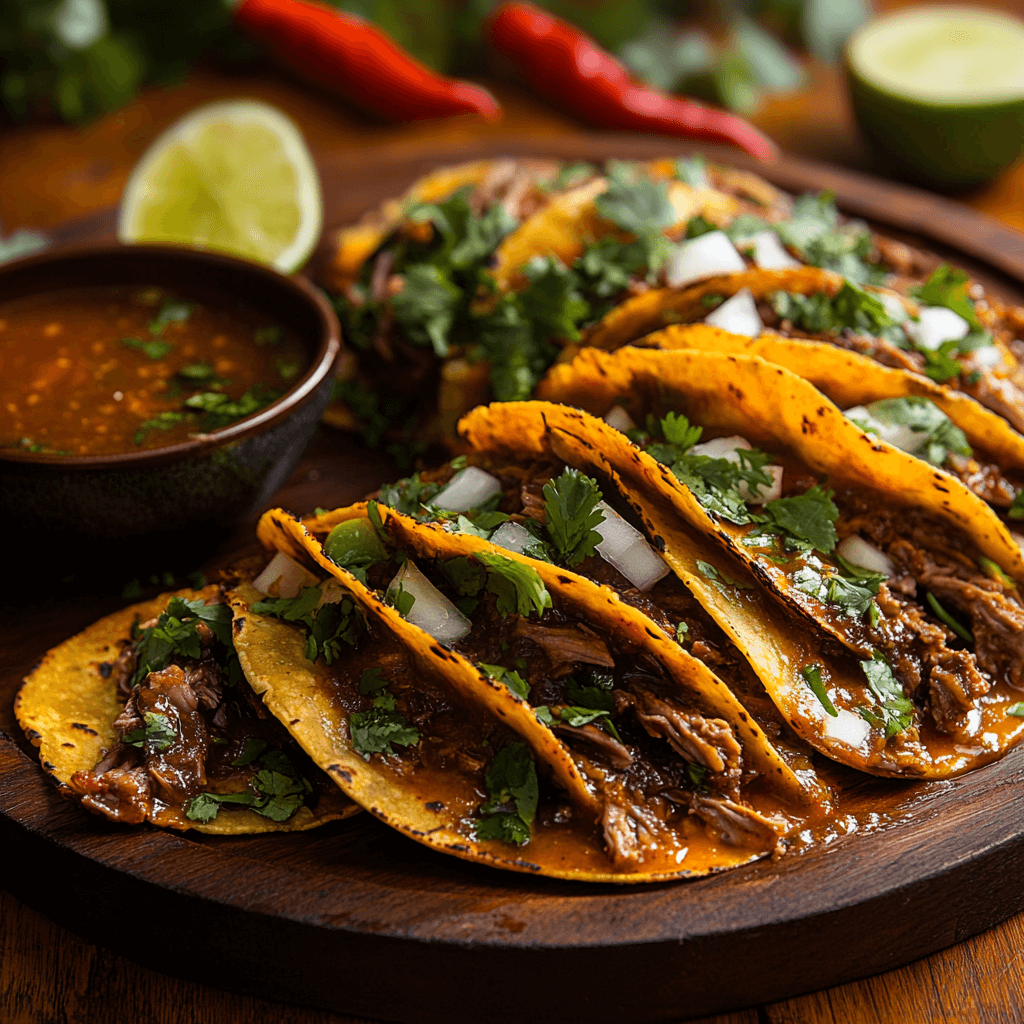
pixel 97 371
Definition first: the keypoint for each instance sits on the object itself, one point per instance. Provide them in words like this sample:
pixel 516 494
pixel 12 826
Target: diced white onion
pixel 737 315
pixel 986 357
pixel 431 610
pixel 846 727
pixel 625 548
pixel 468 489
pixel 770 253
pixel 761 494
pixel 900 435
pixel 722 447
pixel 619 419
pixel 701 257
pixel 512 537
pixel 935 325
pixel 893 306
pixel 857 551
pixel 284 577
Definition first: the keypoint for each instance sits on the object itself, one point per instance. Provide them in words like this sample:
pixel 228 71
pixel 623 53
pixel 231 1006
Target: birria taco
pixel 145 716
pixel 939 424
pixel 898 652
pixel 937 331
pixel 513 712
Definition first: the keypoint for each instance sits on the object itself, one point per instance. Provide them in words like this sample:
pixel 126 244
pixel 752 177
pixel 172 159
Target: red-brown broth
pixel 70 384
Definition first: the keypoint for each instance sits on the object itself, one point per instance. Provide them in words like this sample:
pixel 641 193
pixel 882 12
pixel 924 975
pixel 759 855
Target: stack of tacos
pixel 742 515
pixel 486 274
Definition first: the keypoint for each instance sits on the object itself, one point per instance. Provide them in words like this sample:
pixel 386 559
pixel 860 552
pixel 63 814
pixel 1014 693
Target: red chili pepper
pixel 568 68
pixel 348 55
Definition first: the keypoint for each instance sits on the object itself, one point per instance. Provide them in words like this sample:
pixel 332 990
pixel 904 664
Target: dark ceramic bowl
pixel 216 478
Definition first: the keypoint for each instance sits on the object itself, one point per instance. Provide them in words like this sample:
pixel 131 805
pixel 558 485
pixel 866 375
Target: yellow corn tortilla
pixel 298 693
pixel 67 708
pixel 736 590
pixel 849 379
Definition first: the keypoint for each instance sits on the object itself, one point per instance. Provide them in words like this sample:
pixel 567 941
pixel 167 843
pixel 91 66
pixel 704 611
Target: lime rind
pixel 233 176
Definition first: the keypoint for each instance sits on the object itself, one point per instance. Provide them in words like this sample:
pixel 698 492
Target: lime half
pixel 234 176
pixel 939 91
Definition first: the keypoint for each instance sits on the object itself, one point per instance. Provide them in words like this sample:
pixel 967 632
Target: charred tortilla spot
pixel 294 721
pixel 33 735
pixel 342 773
pixel 743 716
pixel 434 805
pixel 238 625
pixel 84 728
pixel 461 847
pixel 939 487
pixel 67 745
pixel 105 669
pixel 565 580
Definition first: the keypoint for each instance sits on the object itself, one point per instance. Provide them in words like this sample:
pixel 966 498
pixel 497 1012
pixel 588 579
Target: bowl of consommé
pixel 150 388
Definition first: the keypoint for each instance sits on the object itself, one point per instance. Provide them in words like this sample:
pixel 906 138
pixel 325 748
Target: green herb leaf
pixel 512 679
pixel 939 363
pixel 375 731
pixel 572 516
pixel 895 712
pixel 1016 709
pixel 329 625
pixel 947 287
pixel 150 349
pixel 682 630
pixel 221 410
pixel 809 517
pixel 269 335
pixel 812 676
pixel 514 792
pixel 427 305
pixel 170 313
pixel 161 421
pixel 158 733
pixel 518 587
pixel 252 748
pixel 939 435
pixel 993 571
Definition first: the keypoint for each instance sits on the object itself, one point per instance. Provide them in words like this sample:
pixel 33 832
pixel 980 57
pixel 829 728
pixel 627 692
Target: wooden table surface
pixel 52 174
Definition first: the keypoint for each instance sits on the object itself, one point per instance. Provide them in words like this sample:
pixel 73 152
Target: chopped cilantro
pixel 221 410
pixel 1016 710
pixel 518 587
pixel 374 731
pixel 371 680
pixel 152 349
pixel 947 287
pixel 939 363
pixel 940 613
pixel 512 679
pixel 812 676
pixel 176 633
pixel 894 712
pixel 682 630
pixel 710 572
pixel 427 306
pixel 157 734
pixel 197 371
pixel 161 421
pixel 513 794
pixel 852 308
pixel 809 517
pixel 169 313
pixel 328 625
pixel 597 695
pixel 408 496
pixel 572 516
pixel 1016 509
pixel 640 206
pixel 275 791
pixel 852 590
pixel 699 225
pixel 940 435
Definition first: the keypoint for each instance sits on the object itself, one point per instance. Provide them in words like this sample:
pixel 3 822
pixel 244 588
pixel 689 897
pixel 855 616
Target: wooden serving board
pixel 354 917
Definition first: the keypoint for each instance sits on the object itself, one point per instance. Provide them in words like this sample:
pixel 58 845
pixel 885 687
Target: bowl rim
pixel 301 392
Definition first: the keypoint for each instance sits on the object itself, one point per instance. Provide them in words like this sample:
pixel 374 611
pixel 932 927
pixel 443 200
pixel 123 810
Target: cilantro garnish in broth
pixel 276 791
pixel 379 729
pixel 513 793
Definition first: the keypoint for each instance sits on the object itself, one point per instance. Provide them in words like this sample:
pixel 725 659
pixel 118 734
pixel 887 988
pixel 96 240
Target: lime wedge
pixel 939 91
pixel 234 176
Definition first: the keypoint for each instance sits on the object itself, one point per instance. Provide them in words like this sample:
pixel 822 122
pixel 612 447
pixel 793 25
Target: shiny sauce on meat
pixel 103 370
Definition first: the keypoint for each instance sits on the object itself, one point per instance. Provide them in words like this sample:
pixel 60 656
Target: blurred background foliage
pixel 74 59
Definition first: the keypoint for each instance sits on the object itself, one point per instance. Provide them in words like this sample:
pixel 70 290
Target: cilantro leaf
pixel 374 731
pixel 572 515
pixel 947 287
pixel 408 496
pixel 812 676
pixel 939 363
pixel 551 301
pixel 895 712
pixel 269 335
pixel 158 733
pixel 371 681
pixel 852 308
pixel 518 587
pixel 640 206
pixel 175 634
pixel 710 572
pixel 426 306
pixel 678 430
pixel 252 748
pixel 275 791
pixel 939 435
pixel 514 792
pixel 169 313
pixel 809 517
pixel 221 410
pixel 329 625
pixel 166 420
pixel 1016 509
pixel 152 349
pixel 512 679
pixel 597 696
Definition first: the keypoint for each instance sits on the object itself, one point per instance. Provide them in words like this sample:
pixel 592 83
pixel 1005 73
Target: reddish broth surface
pixel 97 371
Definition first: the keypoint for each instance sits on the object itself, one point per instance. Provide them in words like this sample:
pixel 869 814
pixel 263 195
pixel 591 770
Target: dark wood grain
pixel 357 894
